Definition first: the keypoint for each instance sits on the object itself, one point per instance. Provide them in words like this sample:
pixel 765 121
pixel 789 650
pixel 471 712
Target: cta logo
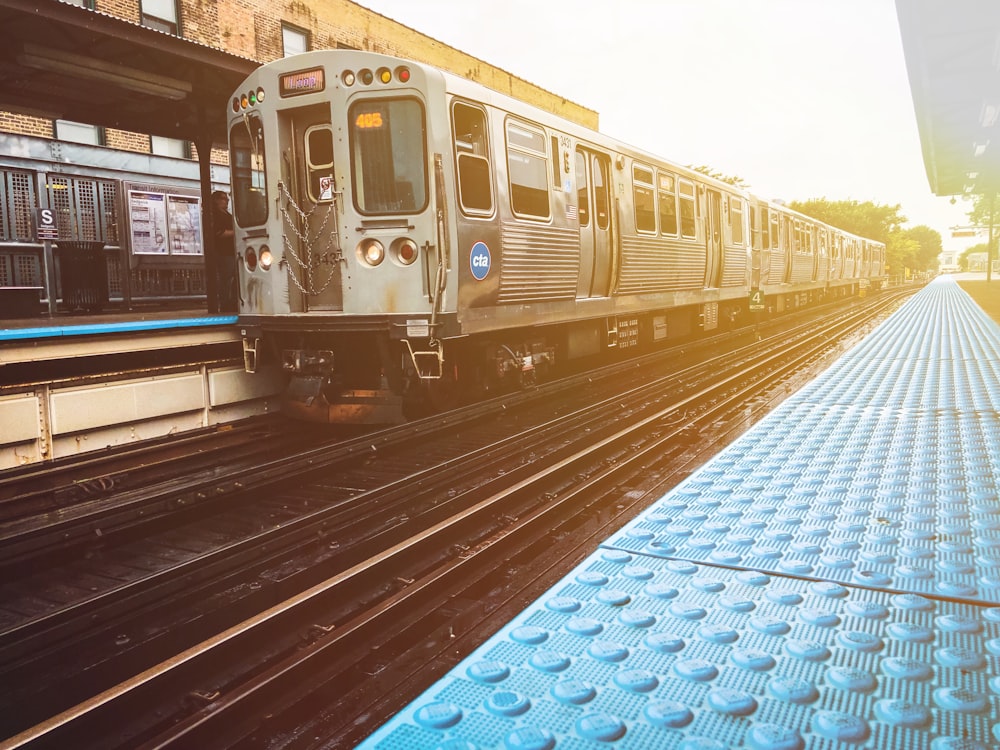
pixel 479 261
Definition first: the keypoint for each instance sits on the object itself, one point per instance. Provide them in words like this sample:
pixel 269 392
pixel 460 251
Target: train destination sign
pixel 302 82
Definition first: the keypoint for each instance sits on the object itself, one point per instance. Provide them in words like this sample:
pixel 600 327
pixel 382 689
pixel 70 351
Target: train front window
pixel 388 156
pixel 247 175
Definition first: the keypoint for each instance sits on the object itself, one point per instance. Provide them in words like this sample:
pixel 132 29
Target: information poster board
pixel 164 221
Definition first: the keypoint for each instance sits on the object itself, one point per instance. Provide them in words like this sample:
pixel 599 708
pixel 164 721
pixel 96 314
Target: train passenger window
pixel 319 162
pixel 388 156
pixel 527 170
pixel 247 175
pixel 582 192
pixel 774 231
pixel 668 204
pixel 736 219
pixel 472 159
pixel 600 171
pixel 765 229
pixel 645 202
pixel 686 195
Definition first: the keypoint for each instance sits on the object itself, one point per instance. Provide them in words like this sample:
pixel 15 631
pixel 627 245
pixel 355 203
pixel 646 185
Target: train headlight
pixel 347 77
pixel 266 259
pixel 404 250
pixel 260 95
pixel 250 257
pixel 371 251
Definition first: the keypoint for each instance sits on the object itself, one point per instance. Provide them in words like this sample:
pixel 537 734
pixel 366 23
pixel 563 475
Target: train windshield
pixel 388 156
pixel 246 159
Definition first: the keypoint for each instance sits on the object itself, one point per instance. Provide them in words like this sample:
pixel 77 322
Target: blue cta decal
pixel 479 261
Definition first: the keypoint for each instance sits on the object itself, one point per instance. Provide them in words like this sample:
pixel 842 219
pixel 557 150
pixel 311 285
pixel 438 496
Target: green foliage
pixel 916 249
pixel 963 259
pixel 866 219
pixel 709 172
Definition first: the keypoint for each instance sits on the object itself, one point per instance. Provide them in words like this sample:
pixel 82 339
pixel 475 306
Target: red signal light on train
pixel 236 104
pixel 405 251
pixel 403 74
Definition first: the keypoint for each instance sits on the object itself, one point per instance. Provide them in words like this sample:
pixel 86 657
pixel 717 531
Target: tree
pixel 963 259
pixel 866 219
pixel 709 172
pixel 876 222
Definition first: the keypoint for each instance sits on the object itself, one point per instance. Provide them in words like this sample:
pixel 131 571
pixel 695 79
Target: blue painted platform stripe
pixel 640 653
pixel 125 326
pixel 827 581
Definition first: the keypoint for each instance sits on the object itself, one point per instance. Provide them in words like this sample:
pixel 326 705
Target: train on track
pixel 407 238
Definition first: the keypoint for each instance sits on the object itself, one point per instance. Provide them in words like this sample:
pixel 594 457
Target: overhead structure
pixel 952 52
pixel 62 61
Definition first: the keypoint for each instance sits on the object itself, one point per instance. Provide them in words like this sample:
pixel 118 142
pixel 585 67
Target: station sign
pixel 45 224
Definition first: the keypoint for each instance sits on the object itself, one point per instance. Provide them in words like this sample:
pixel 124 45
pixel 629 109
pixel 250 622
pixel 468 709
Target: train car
pixel 410 238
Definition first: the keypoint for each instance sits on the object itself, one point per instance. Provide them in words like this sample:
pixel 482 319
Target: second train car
pixel 407 237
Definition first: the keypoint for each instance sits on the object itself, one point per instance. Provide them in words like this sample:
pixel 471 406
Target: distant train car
pixel 409 238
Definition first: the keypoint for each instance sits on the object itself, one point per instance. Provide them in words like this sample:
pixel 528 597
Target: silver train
pixel 408 238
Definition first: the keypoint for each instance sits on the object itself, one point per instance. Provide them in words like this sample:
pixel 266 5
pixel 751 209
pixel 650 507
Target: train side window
pixel 668 203
pixel 472 159
pixel 686 195
pixel 601 182
pixel 736 219
pixel 765 229
pixel 644 199
pixel 775 234
pixel 527 169
pixel 319 161
pixel 582 191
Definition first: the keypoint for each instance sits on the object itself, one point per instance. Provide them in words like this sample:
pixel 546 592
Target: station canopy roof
pixel 952 52
pixel 62 61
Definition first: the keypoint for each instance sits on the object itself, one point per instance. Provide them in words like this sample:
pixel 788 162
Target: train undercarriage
pixel 369 377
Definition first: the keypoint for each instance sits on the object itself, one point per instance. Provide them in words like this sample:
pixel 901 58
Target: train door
pixel 714 240
pixel 308 210
pixel 593 186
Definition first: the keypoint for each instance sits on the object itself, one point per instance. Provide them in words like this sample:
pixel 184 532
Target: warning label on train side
pixel 479 261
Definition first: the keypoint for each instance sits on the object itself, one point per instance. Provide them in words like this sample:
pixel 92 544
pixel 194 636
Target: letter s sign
pixel 479 261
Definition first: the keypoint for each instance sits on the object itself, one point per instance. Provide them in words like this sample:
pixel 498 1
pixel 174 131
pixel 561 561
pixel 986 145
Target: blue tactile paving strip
pixel 638 652
pixel 882 472
pixel 825 582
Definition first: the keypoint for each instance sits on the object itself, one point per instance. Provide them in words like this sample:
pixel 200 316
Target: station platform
pixel 830 580
pixel 70 385
pixel 27 340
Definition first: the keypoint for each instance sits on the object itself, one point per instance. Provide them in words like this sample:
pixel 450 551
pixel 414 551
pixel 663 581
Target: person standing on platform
pixel 224 251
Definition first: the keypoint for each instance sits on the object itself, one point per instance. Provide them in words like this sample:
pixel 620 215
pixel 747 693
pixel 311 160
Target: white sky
pixel 800 98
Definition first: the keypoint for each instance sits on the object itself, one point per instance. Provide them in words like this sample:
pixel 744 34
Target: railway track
pixel 511 497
